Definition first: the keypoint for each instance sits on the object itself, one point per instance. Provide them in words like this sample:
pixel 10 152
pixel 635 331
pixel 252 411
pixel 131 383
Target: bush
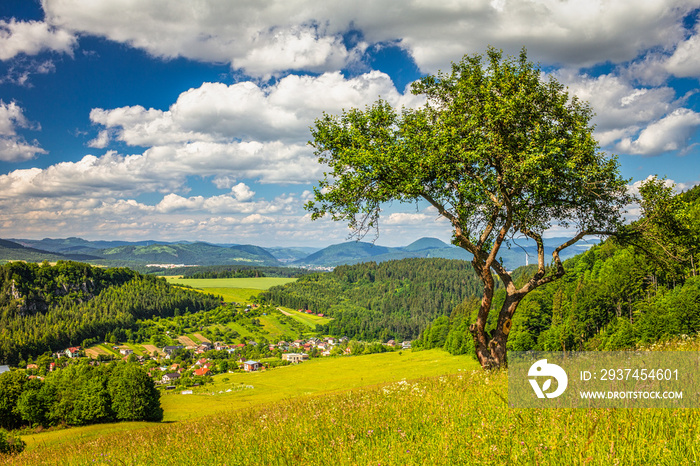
pixel 10 444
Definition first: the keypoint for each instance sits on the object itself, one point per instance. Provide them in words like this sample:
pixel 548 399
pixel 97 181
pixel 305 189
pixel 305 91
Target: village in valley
pixel 195 358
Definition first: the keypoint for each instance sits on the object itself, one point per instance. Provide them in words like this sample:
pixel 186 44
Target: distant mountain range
pixel 356 252
pixel 200 253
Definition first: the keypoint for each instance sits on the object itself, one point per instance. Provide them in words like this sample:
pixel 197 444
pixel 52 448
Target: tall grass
pixel 445 420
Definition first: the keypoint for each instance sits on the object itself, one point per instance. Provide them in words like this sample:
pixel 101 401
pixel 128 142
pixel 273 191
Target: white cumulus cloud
pixel 671 133
pixel 263 38
pixel 685 61
pixel 216 112
pixel 32 37
pixel 13 147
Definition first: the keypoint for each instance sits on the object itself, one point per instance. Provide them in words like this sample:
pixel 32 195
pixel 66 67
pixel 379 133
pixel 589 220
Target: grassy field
pixel 233 290
pixel 310 320
pixel 313 377
pixel 456 419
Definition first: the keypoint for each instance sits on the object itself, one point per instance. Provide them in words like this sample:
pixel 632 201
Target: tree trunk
pixel 492 355
pixel 478 330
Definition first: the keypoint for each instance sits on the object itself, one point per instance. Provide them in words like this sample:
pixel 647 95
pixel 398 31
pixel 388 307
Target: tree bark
pixel 493 355
pixel 478 329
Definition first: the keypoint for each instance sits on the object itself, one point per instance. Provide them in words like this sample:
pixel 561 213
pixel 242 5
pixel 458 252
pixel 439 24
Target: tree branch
pixel 459 233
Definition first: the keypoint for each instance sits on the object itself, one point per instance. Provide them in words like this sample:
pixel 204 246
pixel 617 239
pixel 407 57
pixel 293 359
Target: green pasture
pixel 312 377
pixel 235 295
pixel 273 326
pixel 310 320
pixel 459 418
pixel 108 349
pixel 237 290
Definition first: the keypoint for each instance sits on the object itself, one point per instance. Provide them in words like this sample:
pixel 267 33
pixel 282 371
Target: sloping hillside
pixel 394 299
pixel 191 254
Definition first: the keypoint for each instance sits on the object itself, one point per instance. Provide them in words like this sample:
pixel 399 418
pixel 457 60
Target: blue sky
pixel 188 120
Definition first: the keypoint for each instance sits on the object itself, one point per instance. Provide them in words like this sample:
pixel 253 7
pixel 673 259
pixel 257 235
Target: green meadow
pixel 399 408
pixel 261 283
pixel 459 418
pixel 233 290
pixel 310 320
pixel 233 392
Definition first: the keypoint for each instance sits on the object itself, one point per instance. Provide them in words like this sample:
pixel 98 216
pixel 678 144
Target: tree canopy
pixel 496 150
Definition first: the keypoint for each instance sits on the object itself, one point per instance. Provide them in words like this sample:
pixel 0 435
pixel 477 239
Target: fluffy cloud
pixel 32 37
pixel 621 108
pixel 222 204
pixel 13 148
pixel 635 120
pixel 162 169
pixel 403 218
pixel 222 218
pixel 262 38
pixel 296 48
pixel 228 134
pixel 671 133
pixel 267 37
pixel 216 112
pixel 685 61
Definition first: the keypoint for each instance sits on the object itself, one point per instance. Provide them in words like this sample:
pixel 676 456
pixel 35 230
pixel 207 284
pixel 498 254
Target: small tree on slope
pixel 496 150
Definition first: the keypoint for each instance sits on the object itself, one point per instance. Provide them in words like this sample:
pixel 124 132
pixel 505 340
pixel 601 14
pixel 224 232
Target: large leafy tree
pixel 497 150
pixel 134 396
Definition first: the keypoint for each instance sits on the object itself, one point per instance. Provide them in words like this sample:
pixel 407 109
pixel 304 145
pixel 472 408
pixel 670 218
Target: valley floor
pixel 459 418
pixel 233 392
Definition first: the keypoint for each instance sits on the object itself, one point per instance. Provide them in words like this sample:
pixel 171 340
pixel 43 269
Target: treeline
pixel 227 271
pixel 617 295
pixel 79 394
pixel 394 299
pixel 48 308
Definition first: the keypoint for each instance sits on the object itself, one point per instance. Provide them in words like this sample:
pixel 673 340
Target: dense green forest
pixel 227 271
pixel 47 308
pixel 79 394
pixel 394 299
pixel 634 289
pixel 619 294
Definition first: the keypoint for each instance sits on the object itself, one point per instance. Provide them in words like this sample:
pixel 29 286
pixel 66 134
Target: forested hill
pixel 613 296
pixel 394 299
pixel 48 308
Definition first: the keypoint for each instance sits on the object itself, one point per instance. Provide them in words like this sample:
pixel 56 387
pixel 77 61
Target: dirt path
pixel 284 312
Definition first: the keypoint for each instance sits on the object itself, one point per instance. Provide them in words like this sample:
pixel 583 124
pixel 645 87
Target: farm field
pixel 233 290
pixel 312 377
